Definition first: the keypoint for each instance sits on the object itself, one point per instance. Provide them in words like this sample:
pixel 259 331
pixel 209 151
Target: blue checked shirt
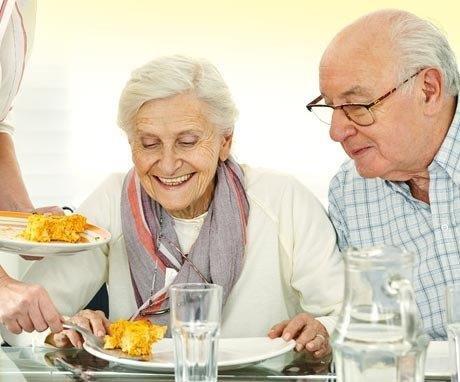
pixel 368 212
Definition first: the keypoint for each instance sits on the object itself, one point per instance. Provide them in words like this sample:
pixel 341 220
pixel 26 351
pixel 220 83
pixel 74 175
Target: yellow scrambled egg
pixel 133 337
pixel 45 228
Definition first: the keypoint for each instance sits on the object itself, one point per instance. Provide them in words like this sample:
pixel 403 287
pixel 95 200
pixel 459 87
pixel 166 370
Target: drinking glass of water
pixel 195 327
pixel 453 328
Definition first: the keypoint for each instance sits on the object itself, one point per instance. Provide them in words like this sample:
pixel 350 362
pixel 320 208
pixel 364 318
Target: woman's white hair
pixel 172 75
pixel 420 44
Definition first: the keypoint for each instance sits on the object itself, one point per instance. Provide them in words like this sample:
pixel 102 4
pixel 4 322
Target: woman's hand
pixel 94 321
pixel 309 334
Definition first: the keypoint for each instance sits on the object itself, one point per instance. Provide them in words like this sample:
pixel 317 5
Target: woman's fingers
pixel 295 326
pixel 67 338
pixel 61 340
pixel 277 330
pixel 94 321
pixel 309 333
pixel 82 322
pixel 304 338
pixel 104 319
pixel 323 351
pixel 97 325
pixel 316 343
pixel 74 338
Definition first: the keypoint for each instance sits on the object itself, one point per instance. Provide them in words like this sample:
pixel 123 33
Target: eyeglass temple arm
pixel 314 102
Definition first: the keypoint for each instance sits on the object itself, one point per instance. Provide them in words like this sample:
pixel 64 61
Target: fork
pixel 88 336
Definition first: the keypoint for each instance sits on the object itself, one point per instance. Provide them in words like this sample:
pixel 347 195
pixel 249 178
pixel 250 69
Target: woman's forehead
pixel 171 124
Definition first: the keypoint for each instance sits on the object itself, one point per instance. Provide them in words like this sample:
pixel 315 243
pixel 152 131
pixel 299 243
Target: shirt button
pixel 445 227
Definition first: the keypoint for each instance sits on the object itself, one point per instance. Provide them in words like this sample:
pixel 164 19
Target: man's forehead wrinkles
pixel 356 90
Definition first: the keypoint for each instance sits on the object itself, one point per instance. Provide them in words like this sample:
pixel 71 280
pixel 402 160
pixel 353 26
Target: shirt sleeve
pixel 17 23
pixel 317 267
pixel 5 127
pixel 336 213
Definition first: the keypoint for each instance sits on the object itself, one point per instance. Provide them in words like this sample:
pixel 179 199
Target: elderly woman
pixel 187 212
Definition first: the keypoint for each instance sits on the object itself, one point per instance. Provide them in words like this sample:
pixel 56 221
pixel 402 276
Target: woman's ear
pixel 225 147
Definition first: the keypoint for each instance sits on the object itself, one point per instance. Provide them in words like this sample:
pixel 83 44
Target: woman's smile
pixel 173 182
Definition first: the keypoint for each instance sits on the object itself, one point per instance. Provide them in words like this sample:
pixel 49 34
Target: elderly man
pixel 390 97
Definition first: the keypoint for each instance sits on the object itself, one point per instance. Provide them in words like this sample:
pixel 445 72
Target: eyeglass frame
pixel 368 106
pixel 185 257
pixel 151 301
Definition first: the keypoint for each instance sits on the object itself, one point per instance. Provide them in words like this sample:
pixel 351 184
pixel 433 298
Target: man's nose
pixel 341 127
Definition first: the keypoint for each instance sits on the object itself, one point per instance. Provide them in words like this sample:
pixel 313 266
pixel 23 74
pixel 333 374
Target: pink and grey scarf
pixel 217 252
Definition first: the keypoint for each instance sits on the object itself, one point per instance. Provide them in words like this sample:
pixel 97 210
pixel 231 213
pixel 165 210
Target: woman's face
pixel 175 150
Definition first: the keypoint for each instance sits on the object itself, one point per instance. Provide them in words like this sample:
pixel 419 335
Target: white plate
pixel 437 359
pixel 13 223
pixel 233 353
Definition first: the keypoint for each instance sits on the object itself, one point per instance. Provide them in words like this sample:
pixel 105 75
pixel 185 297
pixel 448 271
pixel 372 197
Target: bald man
pixel 389 86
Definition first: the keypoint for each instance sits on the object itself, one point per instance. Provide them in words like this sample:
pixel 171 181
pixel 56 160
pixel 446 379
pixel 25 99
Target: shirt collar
pixel 448 156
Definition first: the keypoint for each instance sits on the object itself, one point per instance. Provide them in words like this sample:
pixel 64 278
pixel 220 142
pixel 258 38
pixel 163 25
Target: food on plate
pixel 46 228
pixel 133 337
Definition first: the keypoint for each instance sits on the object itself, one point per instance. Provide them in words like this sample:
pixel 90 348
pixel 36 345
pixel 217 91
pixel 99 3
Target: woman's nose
pixel 169 162
pixel 341 127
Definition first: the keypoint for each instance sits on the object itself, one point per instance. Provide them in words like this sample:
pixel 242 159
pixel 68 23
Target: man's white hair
pixel 172 75
pixel 421 44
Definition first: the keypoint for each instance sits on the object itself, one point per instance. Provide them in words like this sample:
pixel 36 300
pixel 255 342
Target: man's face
pixel 393 146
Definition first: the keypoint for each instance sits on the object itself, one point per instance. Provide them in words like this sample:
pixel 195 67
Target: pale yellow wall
pixel 267 51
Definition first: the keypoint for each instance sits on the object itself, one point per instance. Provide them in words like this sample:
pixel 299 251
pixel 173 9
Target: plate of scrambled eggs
pixel 47 235
pixel 233 353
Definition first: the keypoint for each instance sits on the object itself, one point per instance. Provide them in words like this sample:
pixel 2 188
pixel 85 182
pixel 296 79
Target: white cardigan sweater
pixel 291 261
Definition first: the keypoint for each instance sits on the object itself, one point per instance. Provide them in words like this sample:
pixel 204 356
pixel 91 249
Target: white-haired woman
pixel 188 212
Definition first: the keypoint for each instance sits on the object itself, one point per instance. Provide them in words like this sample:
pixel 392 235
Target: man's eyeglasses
pixel 359 113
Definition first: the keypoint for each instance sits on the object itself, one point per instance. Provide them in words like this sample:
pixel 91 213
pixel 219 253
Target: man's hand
pixel 92 320
pixel 308 333
pixel 26 307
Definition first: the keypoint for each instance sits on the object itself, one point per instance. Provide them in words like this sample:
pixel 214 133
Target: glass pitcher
pixel 378 336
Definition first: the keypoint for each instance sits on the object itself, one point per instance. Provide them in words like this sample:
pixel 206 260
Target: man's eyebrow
pixel 357 90
pixel 354 91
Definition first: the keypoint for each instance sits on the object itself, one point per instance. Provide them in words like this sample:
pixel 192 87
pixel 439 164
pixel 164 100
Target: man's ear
pixel 433 90
pixel 225 147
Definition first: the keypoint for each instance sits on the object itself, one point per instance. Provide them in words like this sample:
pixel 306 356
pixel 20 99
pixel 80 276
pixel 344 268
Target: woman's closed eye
pixel 150 143
pixel 187 143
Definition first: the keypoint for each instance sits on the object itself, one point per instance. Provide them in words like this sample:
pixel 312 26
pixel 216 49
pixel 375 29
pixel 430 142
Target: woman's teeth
pixel 175 181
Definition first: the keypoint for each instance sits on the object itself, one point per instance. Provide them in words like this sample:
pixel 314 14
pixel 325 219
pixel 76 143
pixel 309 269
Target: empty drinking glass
pixel 195 327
